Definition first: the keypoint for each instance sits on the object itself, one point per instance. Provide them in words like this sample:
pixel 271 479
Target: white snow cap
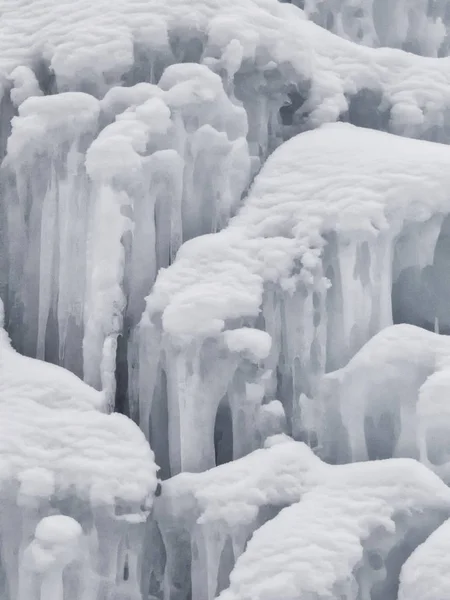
pixel 337 178
pixel 310 550
pixel 234 492
pixel 101 459
pixel 94 42
pixel 23 378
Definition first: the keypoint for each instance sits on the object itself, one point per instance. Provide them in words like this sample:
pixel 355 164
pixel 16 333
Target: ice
pixel 97 469
pixel 46 384
pixel 346 538
pixel 425 574
pixel 46 204
pixel 222 507
pixel 202 227
pixel 415 25
pixel 310 258
pixel 389 400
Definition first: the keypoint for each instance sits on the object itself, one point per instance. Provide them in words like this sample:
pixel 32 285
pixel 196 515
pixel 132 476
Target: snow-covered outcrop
pixel 93 467
pixel 167 237
pixel 345 539
pixel 334 218
pixel 204 520
pixel 424 576
pixel 391 399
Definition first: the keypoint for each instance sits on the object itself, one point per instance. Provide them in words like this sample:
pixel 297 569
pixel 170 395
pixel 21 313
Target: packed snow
pixel 341 539
pixel 332 222
pixel 224 257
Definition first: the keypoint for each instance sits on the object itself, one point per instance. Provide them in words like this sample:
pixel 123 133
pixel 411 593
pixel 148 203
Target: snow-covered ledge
pixel 310 258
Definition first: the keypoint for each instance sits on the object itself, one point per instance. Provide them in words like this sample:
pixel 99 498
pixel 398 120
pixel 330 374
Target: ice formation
pixel 313 258
pixel 229 221
pixel 389 400
pixel 346 538
pixel 204 520
pixel 95 468
pixel 424 576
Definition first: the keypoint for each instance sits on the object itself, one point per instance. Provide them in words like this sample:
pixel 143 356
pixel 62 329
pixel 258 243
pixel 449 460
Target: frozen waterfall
pixel 224 299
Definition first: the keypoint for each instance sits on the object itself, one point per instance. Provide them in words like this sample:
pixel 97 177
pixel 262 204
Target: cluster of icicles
pixel 97 198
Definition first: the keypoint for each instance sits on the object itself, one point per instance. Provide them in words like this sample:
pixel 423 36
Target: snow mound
pixel 391 399
pixel 24 378
pixel 220 509
pixel 337 540
pixel 332 223
pixel 102 459
pixel 424 576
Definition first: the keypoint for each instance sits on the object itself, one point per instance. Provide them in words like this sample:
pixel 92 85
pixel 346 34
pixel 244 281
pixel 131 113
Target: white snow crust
pixel 335 542
pixel 332 221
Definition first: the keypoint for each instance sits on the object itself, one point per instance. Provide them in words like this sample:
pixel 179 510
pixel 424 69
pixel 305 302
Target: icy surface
pixel 347 538
pixel 312 258
pixel 425 574
pixel 391 399
pixel 50 385
pixel 185 258
pixel 417 26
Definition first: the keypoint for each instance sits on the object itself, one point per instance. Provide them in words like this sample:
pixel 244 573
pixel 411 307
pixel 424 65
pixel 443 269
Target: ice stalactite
pixel 187 165
pixel 312 264
pixel 47 560
pixel 388 401
pixel 45 199
pixel 198 378
pixel 47 384
pixel 202 533
pixel 346 538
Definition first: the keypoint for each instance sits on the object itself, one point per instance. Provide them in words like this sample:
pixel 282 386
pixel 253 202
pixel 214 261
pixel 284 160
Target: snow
pixel 333 221
pixel 335 542
pixel 24 378
pixel 391 399
pixel 225 505
pixel 92 46
pixel 211 215
pixel 425 574
pixel 94 467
